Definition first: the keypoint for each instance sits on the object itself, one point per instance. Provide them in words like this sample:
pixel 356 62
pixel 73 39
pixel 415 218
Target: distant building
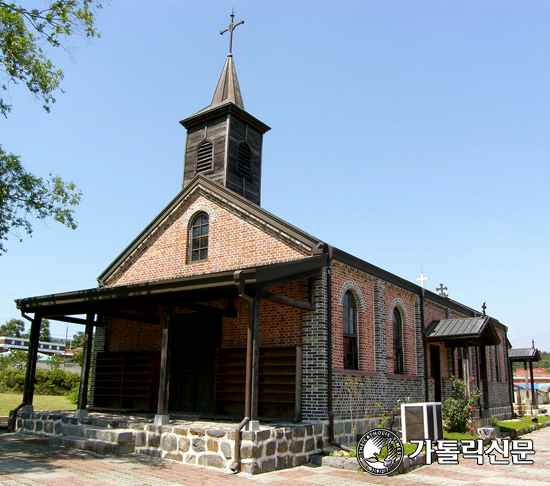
pixel 20 344
pixel 540 375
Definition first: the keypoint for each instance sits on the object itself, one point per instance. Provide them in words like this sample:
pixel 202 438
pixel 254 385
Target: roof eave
pixel 223 108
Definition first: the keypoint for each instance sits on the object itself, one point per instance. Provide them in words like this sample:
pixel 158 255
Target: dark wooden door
pixel 436 371
pixel 195 338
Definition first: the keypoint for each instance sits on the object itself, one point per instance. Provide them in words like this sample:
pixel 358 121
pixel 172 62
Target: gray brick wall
pixel 314 357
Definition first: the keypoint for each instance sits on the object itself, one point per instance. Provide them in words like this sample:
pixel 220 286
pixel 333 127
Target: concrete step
pixel 93 445
pixel 118 436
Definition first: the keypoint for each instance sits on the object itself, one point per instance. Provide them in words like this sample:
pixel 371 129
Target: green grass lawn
pixel 9 401
pixel 509 425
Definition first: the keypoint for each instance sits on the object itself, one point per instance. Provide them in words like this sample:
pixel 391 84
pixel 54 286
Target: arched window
pixel 398 342
pixel 243 160
pixel 199 238
pixel 205 156
pixel 350 332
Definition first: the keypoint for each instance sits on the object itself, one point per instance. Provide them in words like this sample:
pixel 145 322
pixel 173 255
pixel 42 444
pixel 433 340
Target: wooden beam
pixel 281 299
pixel 86 361
pixel 216 311
pixel 32 358
pixel 164 384
pixel 74 320
pixel 133 317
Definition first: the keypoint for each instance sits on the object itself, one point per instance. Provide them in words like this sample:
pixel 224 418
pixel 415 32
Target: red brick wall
pixel 340 276
pixel 407 309
pixel 129 336
pixel 280 325
pixel 233 243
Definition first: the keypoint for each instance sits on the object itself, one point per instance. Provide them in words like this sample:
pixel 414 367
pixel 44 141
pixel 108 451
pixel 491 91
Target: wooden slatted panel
pixel 127 381
pixel 204 157
pixel 278 382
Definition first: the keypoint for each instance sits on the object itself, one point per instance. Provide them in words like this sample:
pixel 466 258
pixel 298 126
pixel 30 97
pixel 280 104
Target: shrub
pixel 72 394
pixel 55 382
pixel 458 410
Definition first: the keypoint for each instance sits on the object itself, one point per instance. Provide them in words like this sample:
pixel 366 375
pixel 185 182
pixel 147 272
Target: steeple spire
pixel 228 85
pixel 224 142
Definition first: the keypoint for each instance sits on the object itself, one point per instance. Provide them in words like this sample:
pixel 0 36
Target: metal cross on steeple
pixel 230 29
pixel 484 307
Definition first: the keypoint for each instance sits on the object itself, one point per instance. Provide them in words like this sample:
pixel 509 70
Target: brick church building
pixel 220 310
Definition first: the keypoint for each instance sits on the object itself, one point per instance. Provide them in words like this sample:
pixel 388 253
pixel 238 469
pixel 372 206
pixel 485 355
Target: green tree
pixel 44 332
pixel 78 340
pixel 55 361
pixel 78 358
pixel 23 34
pixel 16 359
pixel 13 328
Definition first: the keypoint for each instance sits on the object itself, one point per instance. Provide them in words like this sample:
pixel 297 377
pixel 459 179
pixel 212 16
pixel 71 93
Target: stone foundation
pixel 197 443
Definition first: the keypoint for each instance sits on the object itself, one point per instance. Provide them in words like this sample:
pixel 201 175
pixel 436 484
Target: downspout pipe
pixel 332 440
pixel 239 282
pixel 236 466
pixel 425 346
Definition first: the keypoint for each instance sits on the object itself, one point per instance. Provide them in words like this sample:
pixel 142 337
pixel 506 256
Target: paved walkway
pixel 30 461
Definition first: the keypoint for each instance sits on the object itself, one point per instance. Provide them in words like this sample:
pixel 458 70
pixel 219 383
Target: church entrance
pixel 195 338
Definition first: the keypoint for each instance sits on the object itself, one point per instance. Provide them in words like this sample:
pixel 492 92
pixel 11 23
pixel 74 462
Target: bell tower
pixel 224 142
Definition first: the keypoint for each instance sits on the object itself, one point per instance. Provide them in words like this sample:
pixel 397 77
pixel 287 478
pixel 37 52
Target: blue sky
pixel 405 133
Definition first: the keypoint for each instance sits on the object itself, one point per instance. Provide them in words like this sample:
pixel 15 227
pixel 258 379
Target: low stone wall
pixel 201 443
pixel 264 450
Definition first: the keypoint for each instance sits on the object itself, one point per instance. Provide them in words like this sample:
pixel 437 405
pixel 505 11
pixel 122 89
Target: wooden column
pixel 255 359
pixel 484 380
pixel 248 375
pixel 453 366
pixel 466 369
pixel 162 417
pixel 526 383
pixel 28 391
pixel 533 392
pixel 85 370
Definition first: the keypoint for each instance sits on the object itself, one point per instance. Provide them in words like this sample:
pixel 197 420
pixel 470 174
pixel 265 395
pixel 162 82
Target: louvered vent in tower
pixel 205 157
pixel 243 160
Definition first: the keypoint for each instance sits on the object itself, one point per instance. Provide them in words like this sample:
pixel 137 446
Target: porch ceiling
pixel 216 286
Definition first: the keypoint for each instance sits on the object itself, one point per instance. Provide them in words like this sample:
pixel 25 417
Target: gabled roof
pixel 473 330
pixel 523 354
pixel 200 183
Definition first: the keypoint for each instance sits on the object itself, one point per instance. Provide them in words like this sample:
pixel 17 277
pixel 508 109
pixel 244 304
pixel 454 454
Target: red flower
pixel 471 409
